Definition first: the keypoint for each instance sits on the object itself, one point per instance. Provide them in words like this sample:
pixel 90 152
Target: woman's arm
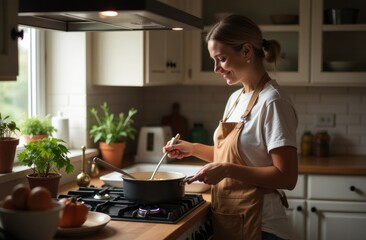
pixel 282 175
pixel 186 149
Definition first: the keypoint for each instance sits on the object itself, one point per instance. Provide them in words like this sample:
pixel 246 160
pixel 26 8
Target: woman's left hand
pixel 211 173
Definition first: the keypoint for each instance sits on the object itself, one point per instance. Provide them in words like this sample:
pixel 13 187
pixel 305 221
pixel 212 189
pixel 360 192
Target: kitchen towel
pixel 62 126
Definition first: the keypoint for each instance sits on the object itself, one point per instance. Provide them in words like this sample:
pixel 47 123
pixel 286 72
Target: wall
pixel 206 104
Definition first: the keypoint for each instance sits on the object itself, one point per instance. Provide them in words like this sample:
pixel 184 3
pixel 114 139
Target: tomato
pixel 39 199
pixel 75 213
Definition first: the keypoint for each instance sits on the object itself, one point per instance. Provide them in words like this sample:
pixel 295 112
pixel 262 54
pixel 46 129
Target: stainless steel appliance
pixel 151 141
pixel 104 15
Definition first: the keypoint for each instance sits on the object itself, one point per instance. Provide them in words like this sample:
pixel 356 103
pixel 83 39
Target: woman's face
pixel 231 64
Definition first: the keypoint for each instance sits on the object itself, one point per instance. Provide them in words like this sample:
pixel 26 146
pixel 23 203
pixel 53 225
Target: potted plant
pixel 8 144
pixel 34 128
pixel 46 157
pixel 112 132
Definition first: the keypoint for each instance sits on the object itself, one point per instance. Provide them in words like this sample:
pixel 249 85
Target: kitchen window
pixel 24 97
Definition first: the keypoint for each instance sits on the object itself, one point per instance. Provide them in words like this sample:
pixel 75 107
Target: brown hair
pixel 236 30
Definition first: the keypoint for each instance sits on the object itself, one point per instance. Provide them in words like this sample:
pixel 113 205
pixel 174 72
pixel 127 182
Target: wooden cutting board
pixel 177 122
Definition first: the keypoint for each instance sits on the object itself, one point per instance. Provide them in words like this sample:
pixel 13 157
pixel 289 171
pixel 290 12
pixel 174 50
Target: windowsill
pixel 75 156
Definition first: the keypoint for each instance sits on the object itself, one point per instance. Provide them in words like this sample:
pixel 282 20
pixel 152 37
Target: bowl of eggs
pixel 30 214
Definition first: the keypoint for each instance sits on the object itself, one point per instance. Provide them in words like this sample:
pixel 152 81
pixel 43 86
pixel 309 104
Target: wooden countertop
pixel 342 165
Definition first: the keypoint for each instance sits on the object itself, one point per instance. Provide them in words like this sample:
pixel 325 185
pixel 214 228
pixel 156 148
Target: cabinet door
pixel 293 67
pixel 338 52
pixel 296 214
pixel 164 53
pixel 8 45
pixel 117 58
pixel 332 220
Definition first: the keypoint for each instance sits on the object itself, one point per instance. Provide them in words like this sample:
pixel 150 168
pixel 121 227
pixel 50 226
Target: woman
pixel 254 150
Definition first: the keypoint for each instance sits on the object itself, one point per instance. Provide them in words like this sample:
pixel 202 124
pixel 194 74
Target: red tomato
pixel 75 213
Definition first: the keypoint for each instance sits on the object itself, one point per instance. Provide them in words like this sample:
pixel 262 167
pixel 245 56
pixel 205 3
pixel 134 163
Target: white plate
pixel 115 179
pixel 94 222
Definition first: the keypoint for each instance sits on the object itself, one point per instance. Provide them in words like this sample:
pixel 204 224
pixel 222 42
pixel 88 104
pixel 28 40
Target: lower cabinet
pixel 328 207
pixel 336 220
pixel 296 213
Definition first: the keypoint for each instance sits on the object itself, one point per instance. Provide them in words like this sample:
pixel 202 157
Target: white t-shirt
pixel 272 124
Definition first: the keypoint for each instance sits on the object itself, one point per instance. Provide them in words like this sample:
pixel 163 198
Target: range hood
pixel 93 15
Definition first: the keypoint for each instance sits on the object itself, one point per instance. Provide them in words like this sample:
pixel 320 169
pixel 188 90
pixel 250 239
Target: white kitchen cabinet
pixel 296 212
pixel 336 207
pixel 8 43
pixel 138 58
pixel 293 68
pixel 338 42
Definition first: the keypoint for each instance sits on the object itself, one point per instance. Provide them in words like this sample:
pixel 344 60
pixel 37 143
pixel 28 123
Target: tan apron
pixel 236 206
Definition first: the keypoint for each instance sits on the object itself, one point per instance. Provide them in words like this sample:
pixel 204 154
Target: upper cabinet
pixel 338 42
pixel 8 40
pixel 290 27
pixel 318 48
pixel 138 58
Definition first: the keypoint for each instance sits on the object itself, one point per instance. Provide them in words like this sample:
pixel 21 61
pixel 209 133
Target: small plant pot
pixel 7 154
pixel 28 138
pixel 113 152
pixel 50 182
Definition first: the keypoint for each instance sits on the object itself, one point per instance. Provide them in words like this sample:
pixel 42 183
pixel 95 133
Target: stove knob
pixel 203 232
pixel 198 236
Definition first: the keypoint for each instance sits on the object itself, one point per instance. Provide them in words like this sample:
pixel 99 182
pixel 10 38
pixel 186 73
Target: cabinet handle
pixel 299 208
pixel 352 188
pixel 15 34
pixel 313 209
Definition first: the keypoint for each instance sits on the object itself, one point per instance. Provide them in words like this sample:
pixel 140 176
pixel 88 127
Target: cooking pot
pixel 165 187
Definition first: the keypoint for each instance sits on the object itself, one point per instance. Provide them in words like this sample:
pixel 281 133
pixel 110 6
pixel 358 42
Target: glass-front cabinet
pixel 287 21
pixel 338 42
pixel 8 44
pixel 323 41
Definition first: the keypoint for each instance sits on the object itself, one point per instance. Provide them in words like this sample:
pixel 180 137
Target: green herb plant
pixel 35 125
pixel 7 128
pixel 45 156
pixel 111 129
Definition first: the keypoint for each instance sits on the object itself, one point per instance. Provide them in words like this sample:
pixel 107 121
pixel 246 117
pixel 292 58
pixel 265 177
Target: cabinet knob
pixel 15 34
pixel 299 208
pixel 313 209
pixel 352 188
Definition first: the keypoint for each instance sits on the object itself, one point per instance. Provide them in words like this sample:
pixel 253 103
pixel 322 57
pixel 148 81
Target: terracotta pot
pixel 28 138
pixel 8 148
pixel 113 152
pixel 50 182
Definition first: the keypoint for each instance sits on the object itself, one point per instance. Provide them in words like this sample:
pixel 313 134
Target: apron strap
pixel 252 100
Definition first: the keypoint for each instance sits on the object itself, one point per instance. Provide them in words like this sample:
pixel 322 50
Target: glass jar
pixel 321 144
pixel 198 134
pixel 307 144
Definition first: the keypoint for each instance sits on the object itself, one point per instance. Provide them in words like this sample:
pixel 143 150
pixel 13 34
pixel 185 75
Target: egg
pixel 39 199
pixel 20 195
pixel 8 202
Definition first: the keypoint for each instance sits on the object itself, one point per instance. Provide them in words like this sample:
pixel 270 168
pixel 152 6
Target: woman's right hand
pixel 179 150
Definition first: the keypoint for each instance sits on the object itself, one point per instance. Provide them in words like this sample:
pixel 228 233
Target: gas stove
pixel 111 201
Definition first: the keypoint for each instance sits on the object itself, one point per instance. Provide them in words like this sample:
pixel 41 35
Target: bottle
pixel 307 144
pixel 198 134
pixel 321 144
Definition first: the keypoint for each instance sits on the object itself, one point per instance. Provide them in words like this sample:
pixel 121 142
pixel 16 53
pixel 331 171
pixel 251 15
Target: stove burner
pixel 111 201
pixel 102 197
pixel 145 211
pixel 103 194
